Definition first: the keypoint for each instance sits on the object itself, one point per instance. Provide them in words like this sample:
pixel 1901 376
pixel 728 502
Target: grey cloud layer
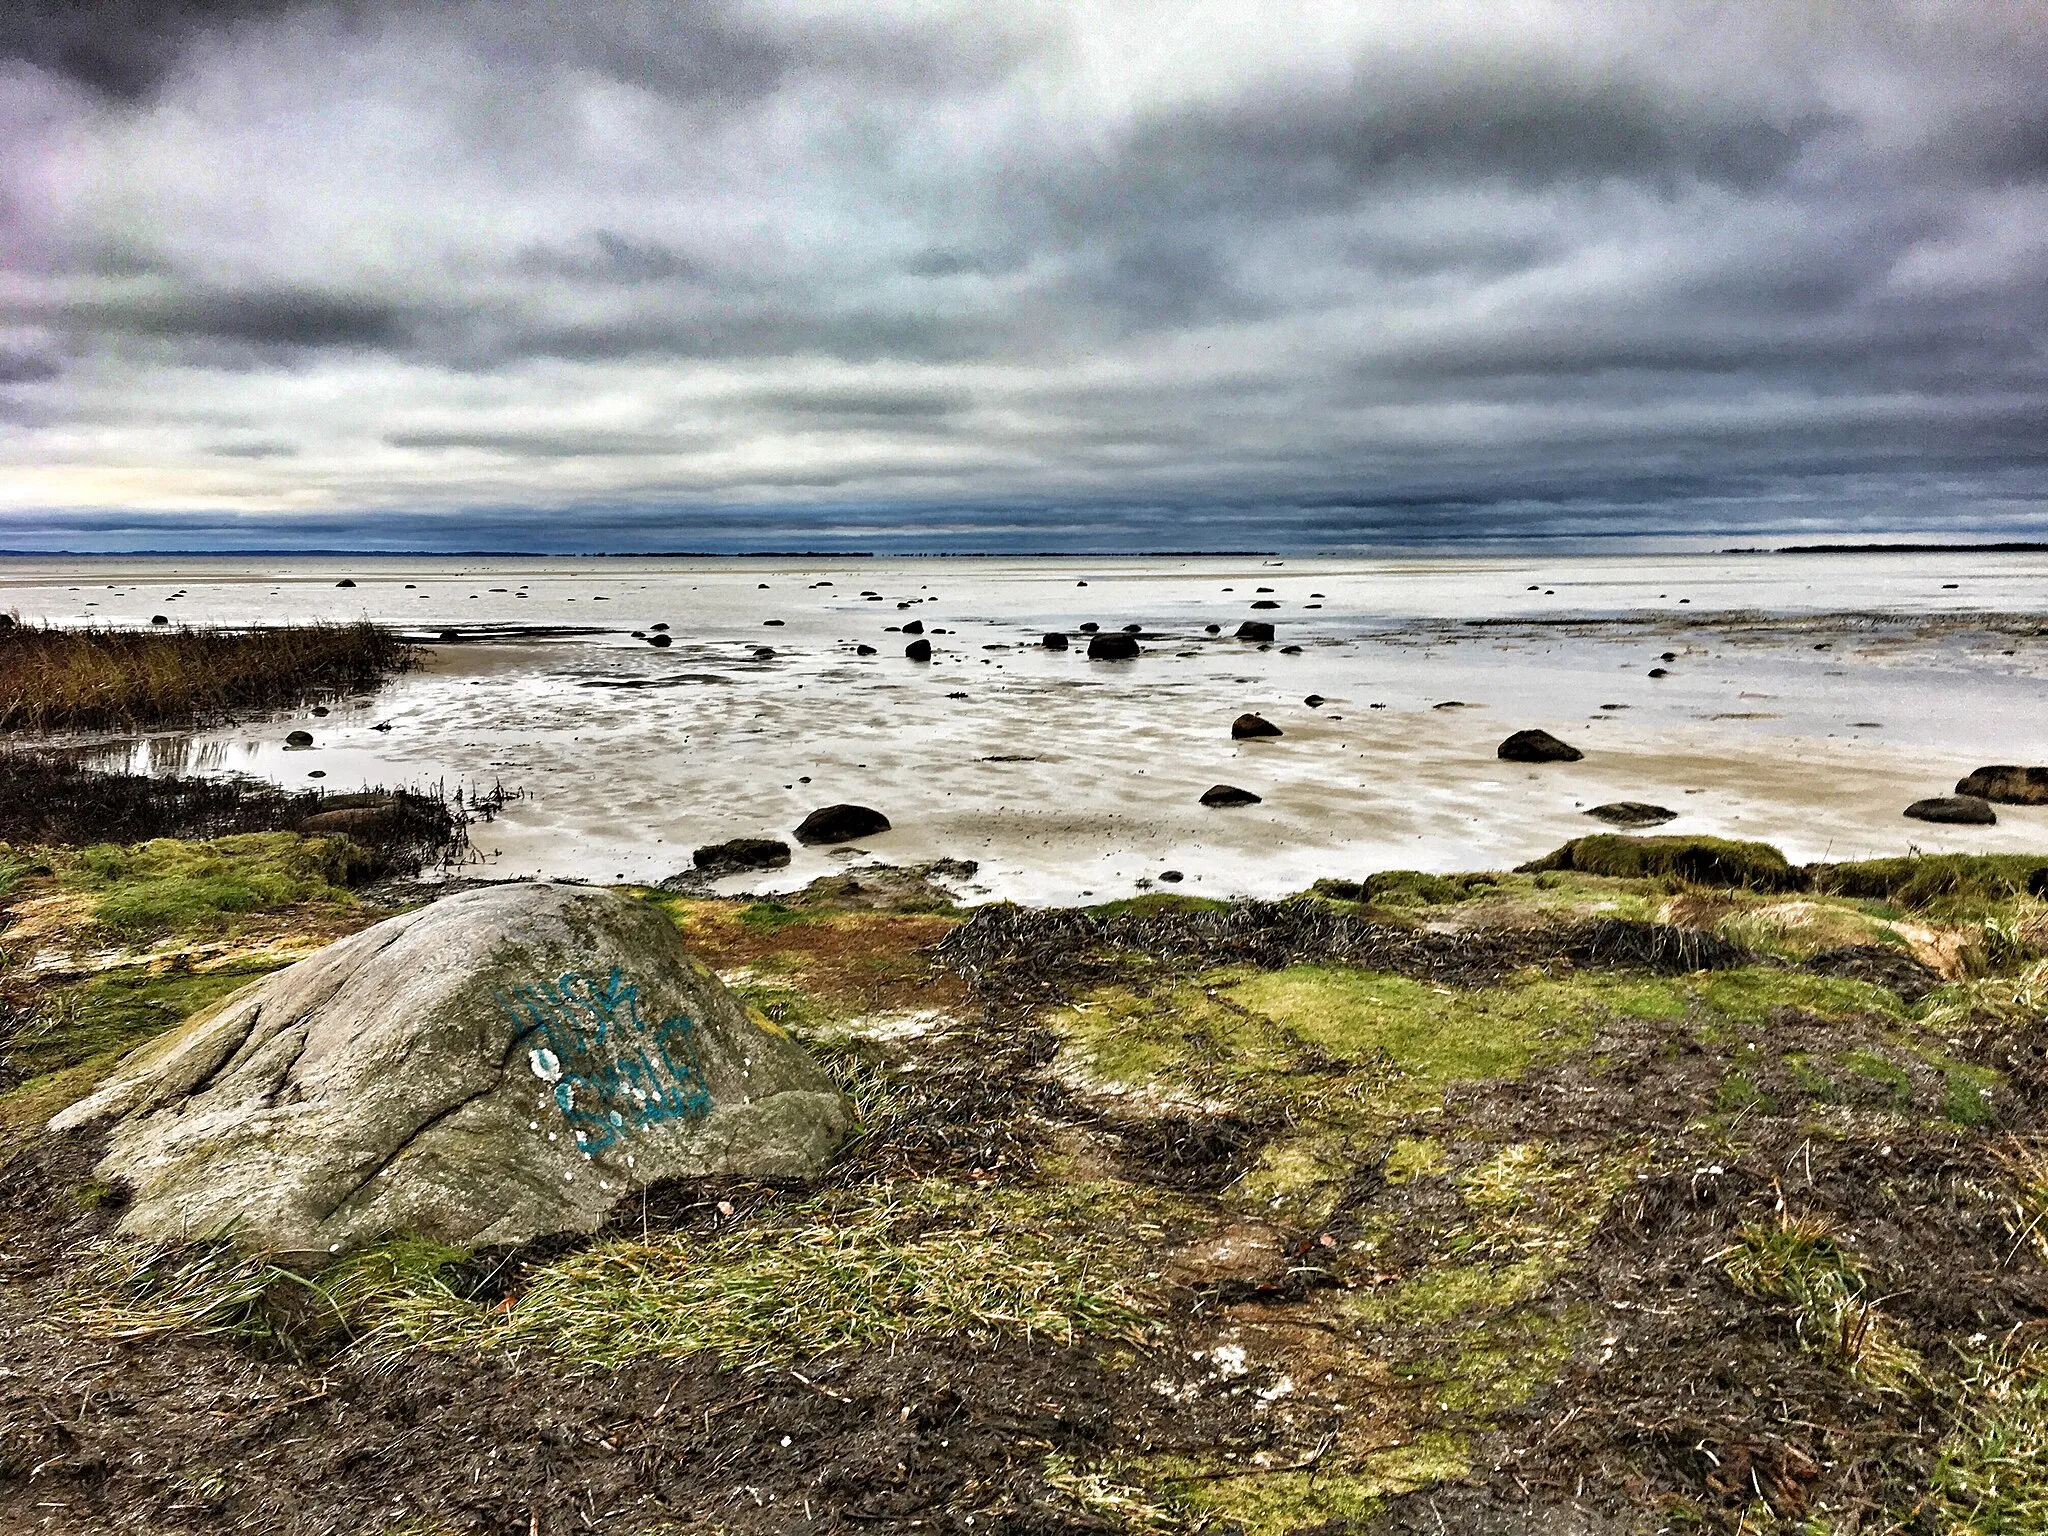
pixel 712 271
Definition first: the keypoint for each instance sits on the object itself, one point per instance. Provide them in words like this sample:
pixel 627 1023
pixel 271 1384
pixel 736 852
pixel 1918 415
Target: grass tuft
pixel 931 1262
pixel 1801 1261
pixel 1991 1476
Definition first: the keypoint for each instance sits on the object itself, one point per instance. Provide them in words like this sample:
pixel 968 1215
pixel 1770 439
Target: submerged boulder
pixel 501 1065
pixel 840 824
pixel 1112 648
pixel 1954 811
pixel 1228 794
pixel 2007 784
pixel 1537 747
pixel 1632 813
pixel 741 853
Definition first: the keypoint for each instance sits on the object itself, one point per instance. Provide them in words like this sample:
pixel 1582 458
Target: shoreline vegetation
pixel 63 680
pixel 1658 1184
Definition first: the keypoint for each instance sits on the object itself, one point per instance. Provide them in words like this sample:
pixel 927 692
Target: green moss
pixel 1413 1157
pixel 1944 884
pixel 1484 1371
pixel 1443 1294
pixel 769 916
pixel 1438 1035
pixel 1894 1079
pixel 1713 861
pixel 1737 1092
pixel 1412 888
pixel 169 886
pixel 1968 1101
pixel 1154 903
pixel 1748 995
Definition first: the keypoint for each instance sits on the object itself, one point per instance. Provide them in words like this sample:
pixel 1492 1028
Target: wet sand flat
pixel 1805 701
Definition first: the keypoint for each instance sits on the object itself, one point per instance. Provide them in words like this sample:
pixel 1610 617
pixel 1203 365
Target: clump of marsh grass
pixel 95 679
pixel 843 1274
pixel 1991 1475
pixel 1800 1260
pixel 130 1291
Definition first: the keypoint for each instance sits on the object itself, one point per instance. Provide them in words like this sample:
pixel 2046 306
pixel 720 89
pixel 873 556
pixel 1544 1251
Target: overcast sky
pixel 1248 274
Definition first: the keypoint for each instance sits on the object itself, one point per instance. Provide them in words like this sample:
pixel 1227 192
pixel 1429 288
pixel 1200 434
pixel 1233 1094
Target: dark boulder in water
pixel 1228 794
pixel 299 739
pixel 840 824
pixel 2007 785
pixel 1265 602
pixel 345 582
pixel 1954 811
pixel 863 650
pixel 1632 813
pixel 914 627
pixel 1089 628
pixel 741 853
pixel 919 650
pixel 1054 641
pixel 1134 629
pixel 159 618
pixel 1315 701
pixel 1246 727
pixel 660 642
pixel 1171 876
pixel 1255 629
pixel 1112 648
pixel 1536 747
pixel 1212 629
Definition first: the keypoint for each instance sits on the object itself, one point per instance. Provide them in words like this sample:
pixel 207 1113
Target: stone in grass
pixel 1536 747
pixel 1229 794
pixel 740 854
pixel 1954 811
pixel 502 1065
pixel 2007 784
pixel 840 824
pixel 1248 727
pixel 1632 813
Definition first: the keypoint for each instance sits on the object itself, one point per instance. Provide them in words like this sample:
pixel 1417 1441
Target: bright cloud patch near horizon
pixel 526 274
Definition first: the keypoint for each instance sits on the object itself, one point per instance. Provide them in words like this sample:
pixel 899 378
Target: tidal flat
pixel 1802 699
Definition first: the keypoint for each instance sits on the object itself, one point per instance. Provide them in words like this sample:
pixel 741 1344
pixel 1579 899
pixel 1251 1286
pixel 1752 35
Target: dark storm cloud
pixel 270 318
pixel 1050 272
pixel 122 48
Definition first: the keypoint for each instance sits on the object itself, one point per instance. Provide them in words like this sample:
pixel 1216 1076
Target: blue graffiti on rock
pixel 610 1069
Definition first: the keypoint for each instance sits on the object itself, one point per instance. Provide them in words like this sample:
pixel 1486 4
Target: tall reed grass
pixel 94 679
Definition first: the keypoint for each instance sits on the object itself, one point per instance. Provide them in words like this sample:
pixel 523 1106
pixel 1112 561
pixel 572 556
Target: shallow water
pixel 1810 699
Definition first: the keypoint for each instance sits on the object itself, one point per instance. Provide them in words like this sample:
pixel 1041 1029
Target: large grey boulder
pixel 503 1064
pixel 2006 783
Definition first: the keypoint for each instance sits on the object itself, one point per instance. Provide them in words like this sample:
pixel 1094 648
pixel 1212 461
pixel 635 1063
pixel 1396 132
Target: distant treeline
pixel 96 679
pixel 2008 548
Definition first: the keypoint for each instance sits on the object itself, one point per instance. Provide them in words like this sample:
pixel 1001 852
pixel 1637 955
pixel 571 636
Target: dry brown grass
pixel 112 680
